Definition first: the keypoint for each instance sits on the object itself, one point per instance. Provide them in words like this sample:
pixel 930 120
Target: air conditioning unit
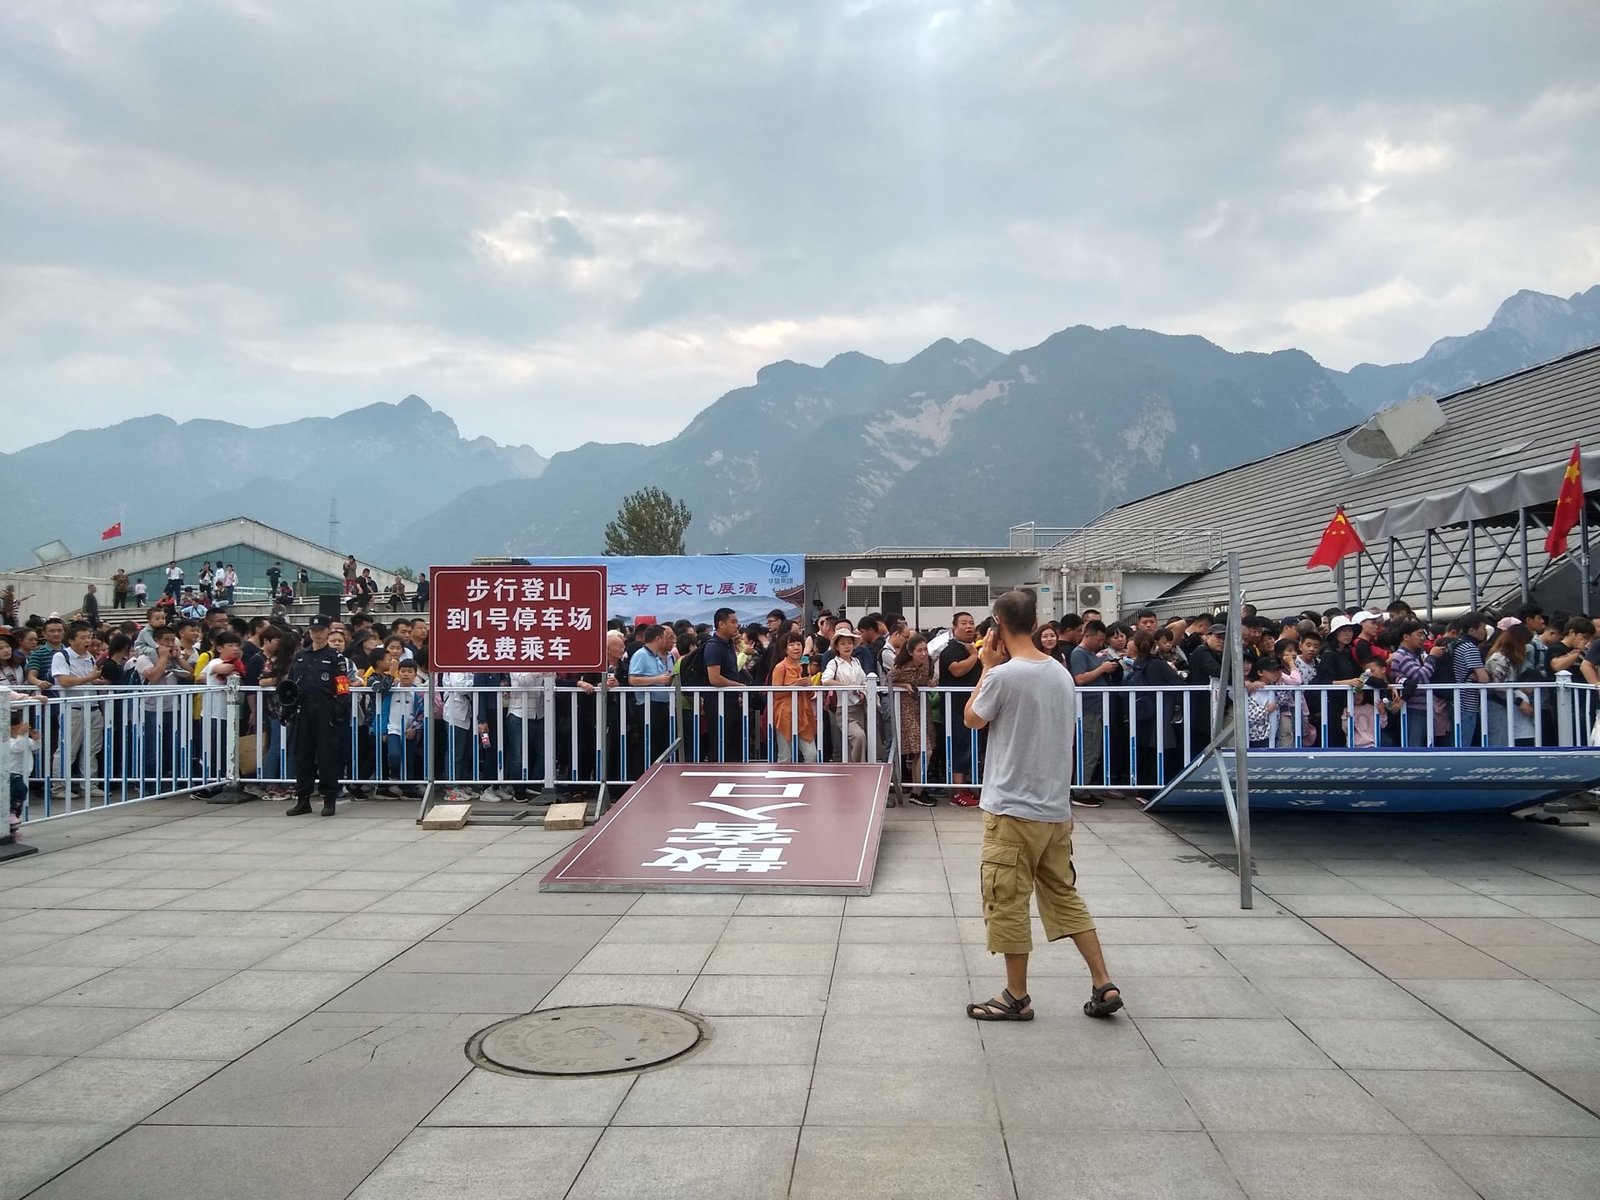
pixel 1099 596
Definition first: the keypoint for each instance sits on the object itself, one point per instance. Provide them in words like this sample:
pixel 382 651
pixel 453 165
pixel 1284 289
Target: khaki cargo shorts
pixel 1021 858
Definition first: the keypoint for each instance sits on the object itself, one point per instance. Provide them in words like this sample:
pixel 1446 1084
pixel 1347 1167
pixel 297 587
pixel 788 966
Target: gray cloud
pixel 563 222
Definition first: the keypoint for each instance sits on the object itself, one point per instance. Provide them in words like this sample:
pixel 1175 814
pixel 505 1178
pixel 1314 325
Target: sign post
pixel 502 619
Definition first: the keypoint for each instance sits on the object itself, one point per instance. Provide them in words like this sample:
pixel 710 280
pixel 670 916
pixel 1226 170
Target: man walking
pixel 1027 702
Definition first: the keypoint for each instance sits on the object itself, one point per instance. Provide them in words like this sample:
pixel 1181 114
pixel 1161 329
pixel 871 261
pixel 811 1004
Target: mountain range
pixel 950 447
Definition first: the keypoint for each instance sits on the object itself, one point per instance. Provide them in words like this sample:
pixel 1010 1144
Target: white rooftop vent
pixel 1390 435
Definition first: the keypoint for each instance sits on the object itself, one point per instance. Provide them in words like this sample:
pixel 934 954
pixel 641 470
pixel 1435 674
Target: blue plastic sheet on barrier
pixel 1396 781
pixel 692 587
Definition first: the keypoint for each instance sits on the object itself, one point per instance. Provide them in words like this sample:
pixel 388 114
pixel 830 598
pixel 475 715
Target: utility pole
pixel 333 524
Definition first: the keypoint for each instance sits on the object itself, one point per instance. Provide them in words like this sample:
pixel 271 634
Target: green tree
pixel 406 573
pixel 649 522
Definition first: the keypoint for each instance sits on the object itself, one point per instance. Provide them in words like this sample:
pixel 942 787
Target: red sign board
pixel 517 618
pixel 735 827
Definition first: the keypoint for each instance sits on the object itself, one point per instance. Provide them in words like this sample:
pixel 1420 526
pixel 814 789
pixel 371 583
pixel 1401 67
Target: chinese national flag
pixel 114 532
pixel 1338 539
pixel 1569 504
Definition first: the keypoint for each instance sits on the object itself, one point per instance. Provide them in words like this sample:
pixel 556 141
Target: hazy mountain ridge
pixel 949 447
pixel 156 475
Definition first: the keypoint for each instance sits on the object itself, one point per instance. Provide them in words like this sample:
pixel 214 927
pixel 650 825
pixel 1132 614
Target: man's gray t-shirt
pixel 1030 707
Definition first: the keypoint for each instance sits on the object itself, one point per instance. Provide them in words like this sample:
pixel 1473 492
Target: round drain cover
pixel 585 1040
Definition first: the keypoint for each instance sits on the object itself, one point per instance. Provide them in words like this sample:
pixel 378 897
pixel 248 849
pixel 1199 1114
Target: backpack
pixel 692 669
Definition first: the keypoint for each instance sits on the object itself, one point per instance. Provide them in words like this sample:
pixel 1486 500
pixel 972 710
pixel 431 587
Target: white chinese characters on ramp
pixel 704 828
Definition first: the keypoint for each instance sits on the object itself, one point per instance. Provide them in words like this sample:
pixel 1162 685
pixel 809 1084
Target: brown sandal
pixel 1004 1007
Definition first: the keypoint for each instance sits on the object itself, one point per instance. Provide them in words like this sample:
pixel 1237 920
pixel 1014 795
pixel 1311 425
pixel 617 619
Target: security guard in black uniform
pixel 318 690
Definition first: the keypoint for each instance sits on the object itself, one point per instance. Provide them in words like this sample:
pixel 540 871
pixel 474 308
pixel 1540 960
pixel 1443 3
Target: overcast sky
pixel 563 222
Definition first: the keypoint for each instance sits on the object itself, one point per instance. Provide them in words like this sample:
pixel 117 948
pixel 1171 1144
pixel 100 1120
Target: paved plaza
pixel 221 1002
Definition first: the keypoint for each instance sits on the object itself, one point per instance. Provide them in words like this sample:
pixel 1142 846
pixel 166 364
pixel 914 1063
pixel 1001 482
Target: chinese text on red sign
pixel 517 618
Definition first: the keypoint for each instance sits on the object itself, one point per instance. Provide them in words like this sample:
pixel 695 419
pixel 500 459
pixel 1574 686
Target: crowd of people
pixel 782 690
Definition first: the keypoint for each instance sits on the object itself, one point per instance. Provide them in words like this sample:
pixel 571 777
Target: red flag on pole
pixel 1338 540
pixel 114 532
pixel 1569 505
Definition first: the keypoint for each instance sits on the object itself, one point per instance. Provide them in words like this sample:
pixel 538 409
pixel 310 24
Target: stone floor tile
pixel 1047 1095
pixel 1136 962
pixel 907 1163
pixel 1310 1166
pixel 525 899
pixel 258 989
pixel 1213 905
pixel 1472 905
pixel 750 1041
pixel 1544 1045
pixel 57 1029
pixel 488 958
pixel 681 1164
pixel 139 987
pixel 21 985
pixel 1063 1035
pixel 217 951
pixel 1366 1043
pixel 662 904
pixel 951 1038
pixel 900 930
pixel 420 903
pixel 155 1162
pixel 333 954
pixel 480 1164
pixel 1147 931
pixel 1581 905
pixel 472 927
pixel 1383 931
pixel 1583 1087
pixel 48 1149
pixel 58 922
pixel 19 1068
pixel 1585 991
pixel 1221 996
pixel 1457 961
pixel 698 1094
pixel 668 930
pixel 749 958
pixel 199 1034
pixel 381 925
pixel 1351 904
pixel 374 1070
pixel 790 906
pixel 1488 932
pixel 663 991
pixel 324 901
pixel 1511 1168
pixel 1131 904
pixel 1301 997
pixel 879 1095
pixel 759 995
pixel 911 959
pixel 1231 1042
pixel 1258 931
pixel 908 904
pixel 1497 999
pixel 1161 1166
pixel 388 990
pixel 492 1098
pixel 1477 1102
pixel 1552 962
pixel 645 958
pixel 1282 1101
pixel 1588 928
pixel 1292 962
pixel 117 1091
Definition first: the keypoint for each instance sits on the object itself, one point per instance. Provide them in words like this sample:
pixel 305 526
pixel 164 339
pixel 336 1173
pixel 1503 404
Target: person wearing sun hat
pixel 847 675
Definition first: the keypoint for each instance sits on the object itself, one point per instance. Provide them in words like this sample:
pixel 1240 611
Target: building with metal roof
pixel 1452 498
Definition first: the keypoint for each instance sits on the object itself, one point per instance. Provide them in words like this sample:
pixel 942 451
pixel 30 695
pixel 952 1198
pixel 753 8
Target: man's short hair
pixel 872 621
pixel 956 616
pixel 1017 610
pixel 1069 621
pixel 721 615
pixel 1093 625
pixel 1579 624
pixel 1406 628
pixel 1143 613
pixel 1529 611
pixel 76 628
pixel 777 612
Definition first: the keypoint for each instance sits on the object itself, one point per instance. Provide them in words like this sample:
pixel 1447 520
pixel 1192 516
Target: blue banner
pixel 692 587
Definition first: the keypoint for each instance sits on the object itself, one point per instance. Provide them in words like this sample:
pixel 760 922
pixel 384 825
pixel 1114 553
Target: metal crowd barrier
pixel 124 745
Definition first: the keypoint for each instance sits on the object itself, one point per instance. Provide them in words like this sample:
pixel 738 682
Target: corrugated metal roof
pixel 1272 511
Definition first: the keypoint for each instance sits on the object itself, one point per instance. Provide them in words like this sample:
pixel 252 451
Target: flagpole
pixel 1583 553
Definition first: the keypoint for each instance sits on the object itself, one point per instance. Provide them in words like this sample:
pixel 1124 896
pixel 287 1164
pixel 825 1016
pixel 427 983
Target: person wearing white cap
pixel 845 673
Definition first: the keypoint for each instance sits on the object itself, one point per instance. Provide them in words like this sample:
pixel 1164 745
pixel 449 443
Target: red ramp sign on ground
pixel 735 827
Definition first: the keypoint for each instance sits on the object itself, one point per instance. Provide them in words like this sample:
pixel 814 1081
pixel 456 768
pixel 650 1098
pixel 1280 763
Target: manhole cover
pixel 585 1040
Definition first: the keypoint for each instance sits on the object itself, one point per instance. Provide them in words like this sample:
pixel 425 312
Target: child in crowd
pixel 400 717
pixel 141 594
pixel 20 745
